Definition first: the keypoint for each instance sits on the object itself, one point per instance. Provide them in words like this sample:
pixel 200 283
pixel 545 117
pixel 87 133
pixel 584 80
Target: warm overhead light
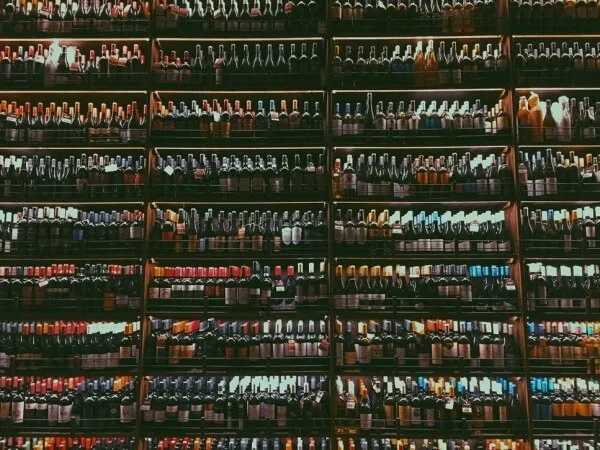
pixel 350 91
pixel 237 39
pixel 414 38
pixel 558 89
pixel 266 149
pixel 403 147
pixel 233 91
pixel 555 36
pixel 74 39
pixel 81 91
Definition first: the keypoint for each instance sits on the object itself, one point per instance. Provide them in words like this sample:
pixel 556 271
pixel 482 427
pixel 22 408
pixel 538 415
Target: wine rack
pixel 403 175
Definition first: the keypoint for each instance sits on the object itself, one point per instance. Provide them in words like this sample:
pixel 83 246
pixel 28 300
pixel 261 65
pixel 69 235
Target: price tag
pixel 43 282
pixel 168 170
pixel 111 168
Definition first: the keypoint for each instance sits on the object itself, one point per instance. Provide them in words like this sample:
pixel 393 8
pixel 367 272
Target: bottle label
pixel 124 352
pixel 230 296
pixel 540 188
pixel 464 246
pixel 269 411
pixel 349 181
pixel 265 350
pixel 481 187
pixel 361 235
pixel 4 410
pixel 415 415
pixel 300 349
pixel 456 76
pixel 338 233
pixel 464 351
pixel 127 413
pixel 254 412
pixel 52 413
pixel 338 128
pixel 437 245
pixel 340 301
pixel 567 243
pixel 551 186
pixel 18 410
pixel 349 235
pixel 359 127
pixel 286 235
pixel 184 415
pixel 362 189
pixel 488 413
pixel 366 421
pixel 498 355
pixel 398 190
pixel 352 301
pixel 296 235
pixel 485 351
pixel 348 129
pixel 436 353
pixel 281 416
pixel 502 122
pixel 504 246
pixel 443 76
pixel 363 354
pixel 278 351
pixel 243 295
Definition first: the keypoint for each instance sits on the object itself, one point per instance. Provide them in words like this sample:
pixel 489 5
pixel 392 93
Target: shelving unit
pixel 160 33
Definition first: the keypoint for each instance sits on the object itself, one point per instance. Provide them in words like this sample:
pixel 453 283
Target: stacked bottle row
pixel 77 18
pixel 187 342
pixel 244 443
pixel 420 119
pixel 93 345
pixel 99 403
pixel 225 68
pixel 428 403
pixel 388 177
pixel 546 231
pixel 270 174
pixel 436 17
pixel 67 66
pixel 53 442
pixel 558 401
pixel 423 67
pixel 233 16
pixel 439 287
pixel 414 345
pixel 48 231
pixel 223 121
pixel 67 287
pixel 536 63
pixel 237 403
pixel 573 345
pixel 563 287
pixel 566 120
pixel 553 174
pixel 276 288
pixel 413 231
pixel 237 232
pixel 60 125
pixel 92 177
